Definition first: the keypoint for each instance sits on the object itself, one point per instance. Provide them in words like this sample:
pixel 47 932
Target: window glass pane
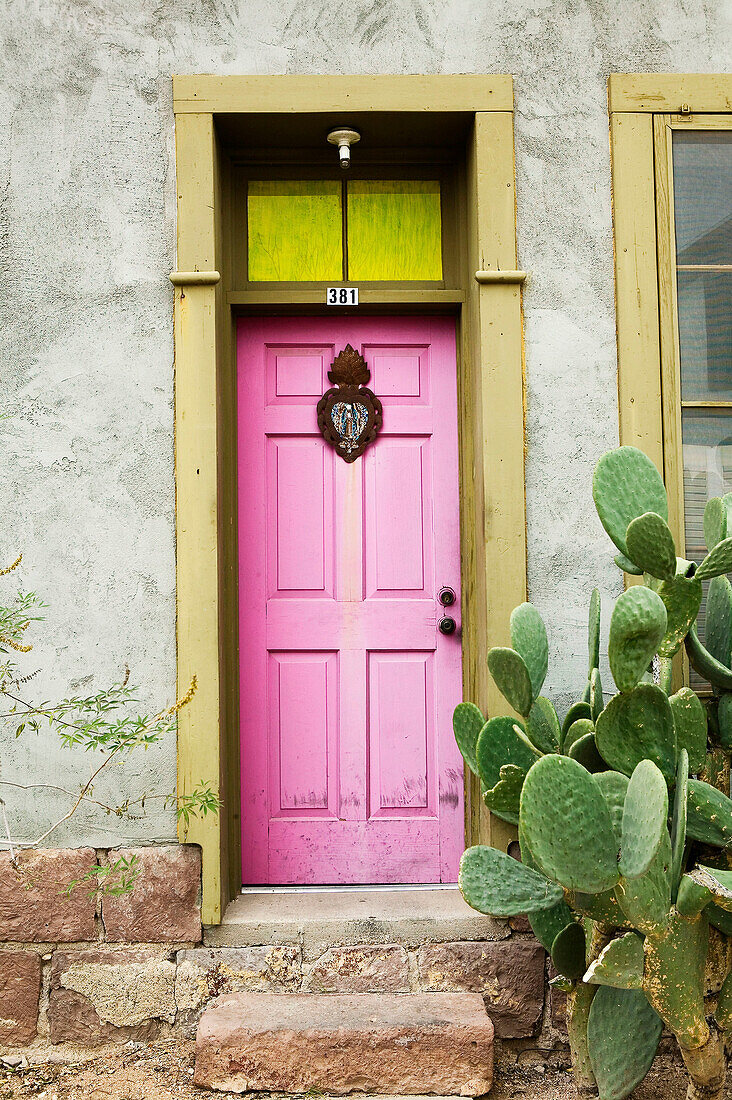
pixel 394 230
pixel 705 334
pixel 707 442
pixel 702 162
pixel 703 196
pixel 295 230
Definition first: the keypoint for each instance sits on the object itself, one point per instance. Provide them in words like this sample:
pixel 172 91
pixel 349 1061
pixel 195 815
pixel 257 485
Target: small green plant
pixel 102 724
pixel 111 879
pixel 624 873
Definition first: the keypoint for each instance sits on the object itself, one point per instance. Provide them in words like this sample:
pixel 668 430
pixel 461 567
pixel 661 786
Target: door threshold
pixel 335 889
pixel 318 917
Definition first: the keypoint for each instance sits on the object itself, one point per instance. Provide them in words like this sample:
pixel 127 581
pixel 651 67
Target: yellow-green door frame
pixel 493 513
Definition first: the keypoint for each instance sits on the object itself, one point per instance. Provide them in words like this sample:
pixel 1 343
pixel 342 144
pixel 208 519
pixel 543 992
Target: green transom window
pixel 328 230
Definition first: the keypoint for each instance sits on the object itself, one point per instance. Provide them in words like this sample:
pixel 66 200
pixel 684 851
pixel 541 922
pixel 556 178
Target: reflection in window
pixel 295 230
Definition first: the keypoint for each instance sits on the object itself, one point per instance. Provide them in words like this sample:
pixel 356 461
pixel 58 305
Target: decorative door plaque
pixel 349 415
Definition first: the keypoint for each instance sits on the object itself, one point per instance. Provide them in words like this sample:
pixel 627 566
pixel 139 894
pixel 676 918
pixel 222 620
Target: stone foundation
pixel 83 969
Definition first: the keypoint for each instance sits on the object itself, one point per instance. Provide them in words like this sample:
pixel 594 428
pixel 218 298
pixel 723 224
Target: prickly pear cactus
pixel 623 809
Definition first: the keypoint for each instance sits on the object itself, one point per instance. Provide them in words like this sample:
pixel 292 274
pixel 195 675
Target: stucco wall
pixel 87 231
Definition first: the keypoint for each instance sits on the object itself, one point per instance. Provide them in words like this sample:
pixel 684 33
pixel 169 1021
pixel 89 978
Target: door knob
pixel 446 596
pixel 447 625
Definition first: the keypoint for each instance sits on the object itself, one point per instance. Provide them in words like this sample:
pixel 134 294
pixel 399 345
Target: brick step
pixel 394 1044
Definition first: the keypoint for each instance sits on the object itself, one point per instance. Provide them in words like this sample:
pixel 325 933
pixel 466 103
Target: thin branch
pixel 78 802
pixel 87 798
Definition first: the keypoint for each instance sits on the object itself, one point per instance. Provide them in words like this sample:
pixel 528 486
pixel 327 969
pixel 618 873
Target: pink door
pixel 350 773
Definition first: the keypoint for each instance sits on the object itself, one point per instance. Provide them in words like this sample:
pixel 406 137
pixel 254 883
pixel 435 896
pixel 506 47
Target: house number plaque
pixel 349 415
pixel 341 296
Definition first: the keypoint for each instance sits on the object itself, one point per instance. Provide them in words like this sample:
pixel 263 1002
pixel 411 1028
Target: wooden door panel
pixel 303 739
pixel 401 718
pixel 300 517
pixel 397 510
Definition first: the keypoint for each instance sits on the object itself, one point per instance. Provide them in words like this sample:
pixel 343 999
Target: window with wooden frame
pixel 671 141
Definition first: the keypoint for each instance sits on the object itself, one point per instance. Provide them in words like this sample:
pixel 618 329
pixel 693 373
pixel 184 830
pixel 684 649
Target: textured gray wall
pixel 87 221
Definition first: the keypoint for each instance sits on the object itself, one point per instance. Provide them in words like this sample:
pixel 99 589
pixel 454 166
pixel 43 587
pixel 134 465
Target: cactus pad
pixel 614 786
pixel 584 750
pixel 636 726
pixel 575 712
pixel 619 964
pixel 674 978
pixel 627 565
pixel 503 799
pixel 709 814
pixel 692 897
pixel 467 722
pixel 678 822
pixel 569 951
pixel 579 729
pixel 690 723
pixel 715 522
pixel 724 720
pixel 502 741
pixel 651 546
pixel 719 919
pixel 625 485
pixel 593 631
pixel 637 627
pixel 546 924
pixel 718 636
pixel 717 561
pixel 623 1032
pixel 511 675
pixel 644 819
pixel 646 901
pixel 682 599
pixel 703 662
pixel 542 726
pixel 719 884
pixel 494 883
pixel 596 700
pixel 568 827
pixel 723 1011
pixel 528 638
pixel 598 907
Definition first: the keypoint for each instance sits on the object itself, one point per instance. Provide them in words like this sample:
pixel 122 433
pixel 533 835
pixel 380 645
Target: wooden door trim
pixel 490 411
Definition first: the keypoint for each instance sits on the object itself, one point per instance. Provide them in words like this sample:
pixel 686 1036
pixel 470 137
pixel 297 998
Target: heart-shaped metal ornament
pixel 349 414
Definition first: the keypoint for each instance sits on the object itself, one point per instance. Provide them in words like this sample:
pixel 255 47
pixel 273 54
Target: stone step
pixel 394 1044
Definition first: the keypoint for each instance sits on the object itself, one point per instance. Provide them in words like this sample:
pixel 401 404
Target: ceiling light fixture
pixel 344 137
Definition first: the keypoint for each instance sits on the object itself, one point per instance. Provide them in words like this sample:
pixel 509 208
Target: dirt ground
pixel 163 1071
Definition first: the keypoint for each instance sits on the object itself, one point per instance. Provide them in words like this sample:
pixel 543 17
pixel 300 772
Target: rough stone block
pixel 204 973
pixel 361 969
pixel 20 989
pixel 509 975
pixel 165 902
pixel 382 1043
pixel 34 902
pixel 101 995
